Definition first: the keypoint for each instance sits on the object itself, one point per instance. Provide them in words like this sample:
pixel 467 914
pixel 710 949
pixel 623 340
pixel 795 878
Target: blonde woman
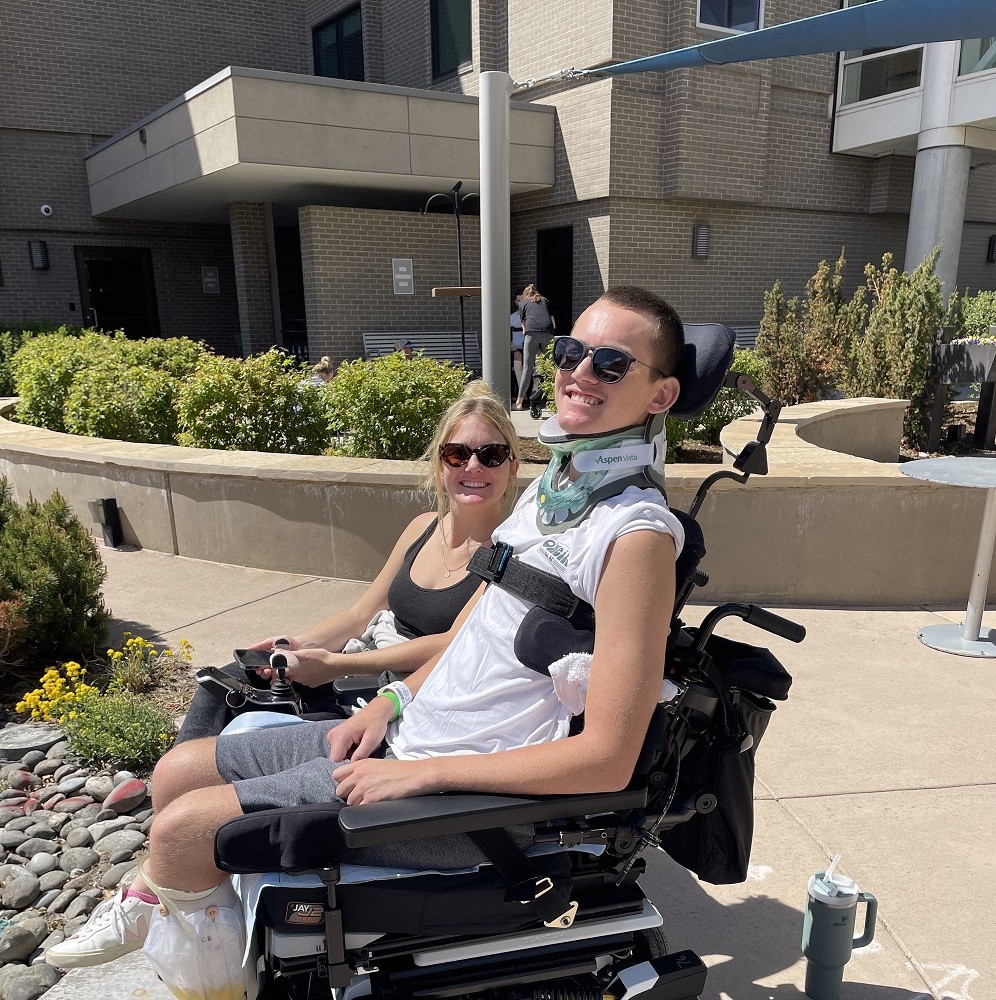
pixel 538 326
pixel 324 371
pixel 473 460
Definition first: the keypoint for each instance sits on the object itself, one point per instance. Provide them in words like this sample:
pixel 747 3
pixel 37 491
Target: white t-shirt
pixel 479 698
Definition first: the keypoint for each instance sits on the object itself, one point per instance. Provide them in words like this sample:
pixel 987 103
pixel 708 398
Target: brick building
pixel 147 181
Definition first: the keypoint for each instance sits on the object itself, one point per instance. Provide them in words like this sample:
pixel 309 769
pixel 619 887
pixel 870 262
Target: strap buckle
pixel 500 555
pixel 543 886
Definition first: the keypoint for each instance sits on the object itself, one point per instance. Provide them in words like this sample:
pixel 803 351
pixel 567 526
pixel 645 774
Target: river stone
pixel 127 795
pixel 99 786
pixel 54 879
pixel 89 813
pixel 60 749
pixel 32 983
pixel 21 891
pixel 12 797
pixel 40 831
pixel 12 839
pixel 33 846
pixel 72 926
pixel 31 759
pixel 122 840
pixel 6 815
pixel 65 897
pixel 20 823
pixel 31 805
pixel 56 937
pixel 114 875
pixel 65 771
pixel 42 863
pixel 73 804
pixel 23 781
pixel 46 793
pixel 46 897
pixel 19 940
pixel 70 786
pixel 106 826
pixel 6 971
pixel 82 858
pixel 16 739
pixel 83 905
pixel 56 820
pixel 79 837
pixel 121 776
pixel 143 814
pixel 47 766
pixel 147 824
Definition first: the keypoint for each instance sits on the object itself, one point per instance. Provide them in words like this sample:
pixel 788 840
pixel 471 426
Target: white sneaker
pixel 117 927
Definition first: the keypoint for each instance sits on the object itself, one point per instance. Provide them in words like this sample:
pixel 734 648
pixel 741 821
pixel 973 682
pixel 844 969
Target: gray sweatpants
pixel 289 766
pixel 534 343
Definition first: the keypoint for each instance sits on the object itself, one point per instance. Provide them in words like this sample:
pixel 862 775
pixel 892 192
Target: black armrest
pixel 306 837
pixel 437 815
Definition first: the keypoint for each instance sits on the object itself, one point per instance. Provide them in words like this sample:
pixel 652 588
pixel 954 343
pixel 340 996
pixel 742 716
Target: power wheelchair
pixel 565 918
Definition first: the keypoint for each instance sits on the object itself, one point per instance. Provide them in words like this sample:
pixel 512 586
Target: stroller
pixel 565 917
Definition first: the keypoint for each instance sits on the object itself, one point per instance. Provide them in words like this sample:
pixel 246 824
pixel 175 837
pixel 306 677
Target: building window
pixel 731 15
pixel 338 46
pixel 977 54
pixel 451 42
pixel 869 73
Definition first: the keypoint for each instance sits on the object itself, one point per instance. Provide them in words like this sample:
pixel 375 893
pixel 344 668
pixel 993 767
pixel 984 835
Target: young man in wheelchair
pixel 477 718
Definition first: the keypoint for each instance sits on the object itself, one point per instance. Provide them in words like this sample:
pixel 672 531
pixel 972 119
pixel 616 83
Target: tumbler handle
pixel 871 912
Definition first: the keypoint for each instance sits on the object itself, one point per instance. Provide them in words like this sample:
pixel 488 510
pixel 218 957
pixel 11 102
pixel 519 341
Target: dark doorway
pixel 555 272
pixel 117 291
pixel 290 281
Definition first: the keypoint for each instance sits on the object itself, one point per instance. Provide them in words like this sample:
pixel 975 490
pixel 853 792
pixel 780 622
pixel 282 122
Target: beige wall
pixel 822 528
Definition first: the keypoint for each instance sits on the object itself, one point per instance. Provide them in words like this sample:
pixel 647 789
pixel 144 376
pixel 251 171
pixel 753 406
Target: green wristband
pixel 394 699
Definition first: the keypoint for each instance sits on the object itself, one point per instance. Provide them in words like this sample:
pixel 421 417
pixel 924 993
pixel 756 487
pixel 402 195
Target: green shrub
pixel 977 313
pixel 176 356
pixel 801 342
pixel 126 402
pixel 118 731
pixel 391 405
pixel 893 356
pixel 11 341
pixel 731 404
pixel 265 403
pixel 45 366
pixel 50 579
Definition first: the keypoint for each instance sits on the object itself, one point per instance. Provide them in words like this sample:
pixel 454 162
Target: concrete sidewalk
pixel 884 752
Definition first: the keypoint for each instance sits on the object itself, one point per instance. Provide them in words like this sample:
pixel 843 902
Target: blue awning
pixel 877 24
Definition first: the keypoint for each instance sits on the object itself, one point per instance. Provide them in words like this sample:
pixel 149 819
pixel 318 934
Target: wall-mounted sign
pixel 210 282
pixel 404 276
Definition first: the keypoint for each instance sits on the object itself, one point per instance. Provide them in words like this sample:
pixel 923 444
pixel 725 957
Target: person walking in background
pixel 515 328
pixel 538 325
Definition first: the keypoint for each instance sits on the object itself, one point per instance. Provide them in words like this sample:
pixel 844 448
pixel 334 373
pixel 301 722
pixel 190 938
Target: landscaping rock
pixel 60 749
pixel 65 897
pixel 6 815
pixel 56 820
pixel 44 794
pixel 126 796
pixel 127 841
pixel 21 891
pixel 40 830
pixel 33 846
pixel 78 859
pixel 47 766
pixel 45 898
pixel 121 776
pixel 11 839
pixel 32 982
pixel 54 879
pixel 73 804
pixel 67 769
pixel 17 738
pixel 102 828
pixel 72 926
pixel 114 875
pixel 6 971
pixel 20 939
pixel 79 837
pixel 32 759
pixel 23 781
pixel 99 786
pixel 83 904
pixel 42 863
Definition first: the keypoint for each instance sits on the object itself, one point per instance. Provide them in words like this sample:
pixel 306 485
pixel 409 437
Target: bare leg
pixel 181 841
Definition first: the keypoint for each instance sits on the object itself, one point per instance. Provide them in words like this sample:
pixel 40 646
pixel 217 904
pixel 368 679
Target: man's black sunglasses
pixel 608 364
pixel 489 455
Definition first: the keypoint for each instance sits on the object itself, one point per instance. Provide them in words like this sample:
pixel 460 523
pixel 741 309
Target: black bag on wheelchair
pixel 716 845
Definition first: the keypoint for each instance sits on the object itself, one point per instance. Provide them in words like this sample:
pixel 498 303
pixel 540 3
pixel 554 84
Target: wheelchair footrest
pixel 680 976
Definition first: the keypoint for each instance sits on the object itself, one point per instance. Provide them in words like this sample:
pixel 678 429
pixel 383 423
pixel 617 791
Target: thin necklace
pixel 442 555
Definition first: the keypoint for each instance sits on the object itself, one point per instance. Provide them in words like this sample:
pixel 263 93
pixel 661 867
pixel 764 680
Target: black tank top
pixel 433 610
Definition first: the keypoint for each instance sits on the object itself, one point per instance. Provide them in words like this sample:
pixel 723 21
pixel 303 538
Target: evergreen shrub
pixel 731 404
pixel 50 579
pixel 265 403
pixel 391 404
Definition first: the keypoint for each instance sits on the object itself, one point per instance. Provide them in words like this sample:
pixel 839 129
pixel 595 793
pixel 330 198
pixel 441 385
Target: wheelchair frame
pixel 606 942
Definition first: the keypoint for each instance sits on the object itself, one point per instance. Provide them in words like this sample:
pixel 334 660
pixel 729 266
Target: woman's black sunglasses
pixel 608 364
pixel 489 455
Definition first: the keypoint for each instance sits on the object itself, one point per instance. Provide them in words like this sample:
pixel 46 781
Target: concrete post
pixel 250 253
pixel 496 239
pixel 940 182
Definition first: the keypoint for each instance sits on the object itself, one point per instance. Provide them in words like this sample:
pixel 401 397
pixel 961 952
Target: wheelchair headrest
pixel 706 359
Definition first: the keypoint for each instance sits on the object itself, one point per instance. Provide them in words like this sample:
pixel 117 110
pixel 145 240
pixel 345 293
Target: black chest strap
pixel 500 567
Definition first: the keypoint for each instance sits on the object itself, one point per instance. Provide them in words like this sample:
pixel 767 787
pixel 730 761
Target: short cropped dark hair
pixel 669 334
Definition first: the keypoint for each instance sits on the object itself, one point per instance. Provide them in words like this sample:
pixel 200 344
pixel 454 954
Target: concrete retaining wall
pixel 824 527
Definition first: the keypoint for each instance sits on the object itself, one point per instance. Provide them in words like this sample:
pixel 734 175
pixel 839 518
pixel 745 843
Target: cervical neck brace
pixel 607 463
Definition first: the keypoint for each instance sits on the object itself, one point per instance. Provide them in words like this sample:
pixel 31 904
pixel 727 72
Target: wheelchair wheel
pixel 649 943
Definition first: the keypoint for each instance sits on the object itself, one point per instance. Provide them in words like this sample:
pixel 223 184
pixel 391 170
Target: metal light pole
pixel 453 195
